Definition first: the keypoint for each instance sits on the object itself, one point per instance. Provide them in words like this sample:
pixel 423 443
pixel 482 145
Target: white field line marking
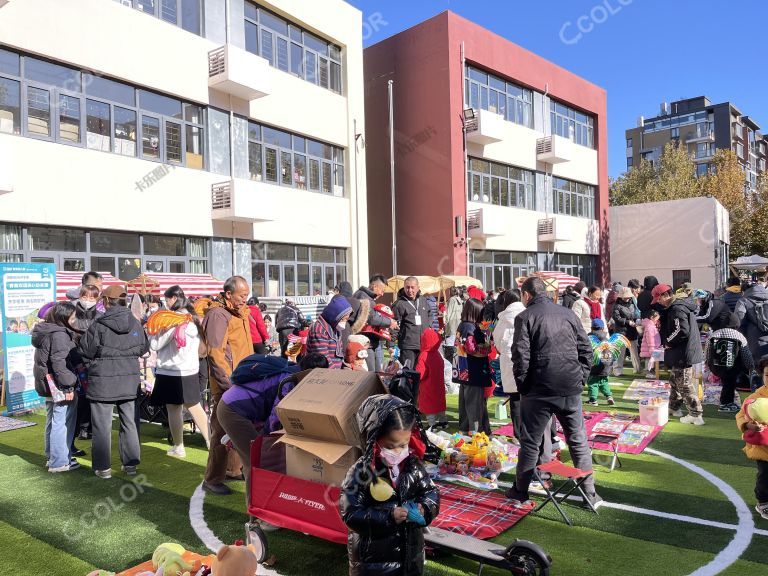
pixel 206 535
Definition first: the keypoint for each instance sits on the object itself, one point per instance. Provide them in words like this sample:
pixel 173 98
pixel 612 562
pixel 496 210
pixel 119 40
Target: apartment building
pixel 196 136
pixel 703 128
pixel 500 158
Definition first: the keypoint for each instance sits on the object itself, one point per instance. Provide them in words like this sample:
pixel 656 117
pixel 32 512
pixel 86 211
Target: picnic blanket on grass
pixel 7 424
pixel 477 513
pixel 642 389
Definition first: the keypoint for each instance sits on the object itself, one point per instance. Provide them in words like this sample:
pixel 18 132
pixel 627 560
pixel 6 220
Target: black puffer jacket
pixel 645 297
pixel 750 326
pixel 53 347
pixel 569 297
pixel 405 310
pixel 551 353
pixel 625 312
pixel 113 345
pixel 680 334
pixel 714 312
pixel 376 544
pixel 289 317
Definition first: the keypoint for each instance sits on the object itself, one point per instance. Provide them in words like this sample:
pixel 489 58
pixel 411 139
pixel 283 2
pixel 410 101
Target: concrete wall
pixel 659 237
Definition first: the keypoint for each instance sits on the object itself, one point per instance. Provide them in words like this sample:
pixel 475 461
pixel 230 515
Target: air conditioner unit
pixel 234 71
pixel 554 230
pixel 554 149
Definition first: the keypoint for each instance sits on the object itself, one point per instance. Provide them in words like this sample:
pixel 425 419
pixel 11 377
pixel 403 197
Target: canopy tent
pixel 66 281
pixel 446 282
pixel 752 263
pixel 554 280
pixel 192 284
pixel 427 284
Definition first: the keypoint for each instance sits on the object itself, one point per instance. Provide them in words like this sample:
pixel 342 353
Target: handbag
pixel 460 364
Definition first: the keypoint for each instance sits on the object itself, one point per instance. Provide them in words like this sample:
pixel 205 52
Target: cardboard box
pixel 324 405
pixel 317 460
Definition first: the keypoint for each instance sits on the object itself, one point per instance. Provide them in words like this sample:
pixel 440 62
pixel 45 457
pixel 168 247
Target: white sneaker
pixel 177 451
pixel 677 413
pixel 695 420
pixel 105 474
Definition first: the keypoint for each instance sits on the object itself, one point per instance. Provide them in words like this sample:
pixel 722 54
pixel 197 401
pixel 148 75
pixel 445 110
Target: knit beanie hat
pixel 336 309
pixel 354 352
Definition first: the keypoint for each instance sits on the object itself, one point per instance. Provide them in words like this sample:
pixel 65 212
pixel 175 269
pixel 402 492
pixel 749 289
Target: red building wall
pixel 425 63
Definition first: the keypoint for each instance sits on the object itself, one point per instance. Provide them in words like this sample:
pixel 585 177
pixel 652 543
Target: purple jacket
pixel 256 400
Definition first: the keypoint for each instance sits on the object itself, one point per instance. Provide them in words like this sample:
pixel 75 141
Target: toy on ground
pixel 168 557
pixel 235 561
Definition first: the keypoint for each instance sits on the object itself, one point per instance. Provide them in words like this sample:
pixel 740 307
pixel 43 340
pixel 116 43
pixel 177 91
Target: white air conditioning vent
pixel 554 149
pixel 554 230
pixel 474 220
pixel 221 195
pixel 217 62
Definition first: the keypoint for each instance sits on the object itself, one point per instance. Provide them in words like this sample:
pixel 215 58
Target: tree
pixel 726 182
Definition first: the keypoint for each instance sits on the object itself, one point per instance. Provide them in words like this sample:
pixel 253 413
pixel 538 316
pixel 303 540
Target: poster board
pixel 24 289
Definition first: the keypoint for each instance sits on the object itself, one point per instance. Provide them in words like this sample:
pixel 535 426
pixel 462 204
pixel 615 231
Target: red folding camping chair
pixel 574 478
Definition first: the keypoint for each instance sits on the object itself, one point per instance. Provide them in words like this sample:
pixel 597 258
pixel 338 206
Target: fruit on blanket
pixel 758 410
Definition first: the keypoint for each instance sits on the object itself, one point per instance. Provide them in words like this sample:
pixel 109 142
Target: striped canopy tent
pixel 192 284
pixel 66 281
pixel 555 281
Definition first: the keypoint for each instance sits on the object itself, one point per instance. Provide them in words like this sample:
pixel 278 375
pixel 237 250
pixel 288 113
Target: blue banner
pixel 24 289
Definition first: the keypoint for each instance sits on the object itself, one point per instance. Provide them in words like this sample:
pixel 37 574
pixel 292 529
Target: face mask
pixel 394 457
pixel 87 304
pixel 341 326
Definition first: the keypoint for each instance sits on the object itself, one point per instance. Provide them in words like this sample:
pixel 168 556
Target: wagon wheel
pixel 256 537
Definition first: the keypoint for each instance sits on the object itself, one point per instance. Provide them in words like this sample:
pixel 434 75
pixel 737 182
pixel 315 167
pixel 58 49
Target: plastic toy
pixel 167 557
pixel 381 491
pixel 414 515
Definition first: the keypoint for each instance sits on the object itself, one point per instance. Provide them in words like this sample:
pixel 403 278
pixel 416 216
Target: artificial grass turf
pixel 38 508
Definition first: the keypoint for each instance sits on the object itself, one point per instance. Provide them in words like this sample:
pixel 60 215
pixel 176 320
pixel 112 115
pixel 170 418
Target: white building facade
pixel 195 136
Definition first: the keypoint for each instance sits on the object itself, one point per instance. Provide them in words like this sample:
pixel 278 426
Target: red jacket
pixel 431 368
pixel 259 332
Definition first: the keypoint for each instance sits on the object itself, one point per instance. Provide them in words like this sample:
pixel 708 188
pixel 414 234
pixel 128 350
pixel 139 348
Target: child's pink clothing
pixel 651 338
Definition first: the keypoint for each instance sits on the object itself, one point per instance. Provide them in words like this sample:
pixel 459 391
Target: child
pixel 605 353
pixel 758 453
pixel 431 368
pixel 727 356
pixel 651 341
pixel 473 348
pixel 355 355
pixel 388 497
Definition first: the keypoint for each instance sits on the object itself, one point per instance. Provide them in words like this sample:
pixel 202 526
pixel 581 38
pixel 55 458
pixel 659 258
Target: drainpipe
pixel 466 159
pixel 390 88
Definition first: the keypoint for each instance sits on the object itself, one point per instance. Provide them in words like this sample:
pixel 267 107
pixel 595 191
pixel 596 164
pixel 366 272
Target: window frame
pixel 563 118
pixel 481 87
pixel 476 175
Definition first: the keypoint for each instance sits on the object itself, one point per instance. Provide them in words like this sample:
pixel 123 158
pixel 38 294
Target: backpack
pixel 761 316
pixel 723 353
pixel 606 353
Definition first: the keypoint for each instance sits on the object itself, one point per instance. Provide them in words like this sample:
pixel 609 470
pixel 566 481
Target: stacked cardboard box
pixel 319 416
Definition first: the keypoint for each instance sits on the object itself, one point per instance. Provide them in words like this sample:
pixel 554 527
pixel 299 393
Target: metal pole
pixel 390 85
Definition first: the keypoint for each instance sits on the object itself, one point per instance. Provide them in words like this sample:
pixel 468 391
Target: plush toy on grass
pixel 235 561
pixel 168 558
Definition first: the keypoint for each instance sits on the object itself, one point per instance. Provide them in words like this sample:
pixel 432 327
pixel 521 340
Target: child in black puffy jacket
pixel 387 497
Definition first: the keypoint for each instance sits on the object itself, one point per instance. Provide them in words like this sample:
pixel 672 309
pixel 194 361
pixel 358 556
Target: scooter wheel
pixel 258 540
pixel 525 562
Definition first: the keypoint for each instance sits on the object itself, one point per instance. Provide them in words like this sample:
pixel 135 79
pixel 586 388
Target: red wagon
pixel 312 508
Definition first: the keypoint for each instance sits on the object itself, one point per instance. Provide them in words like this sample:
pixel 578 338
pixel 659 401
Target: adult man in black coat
pixel 112 347
pixel 413 315
pixel 375 290
pixel 552 357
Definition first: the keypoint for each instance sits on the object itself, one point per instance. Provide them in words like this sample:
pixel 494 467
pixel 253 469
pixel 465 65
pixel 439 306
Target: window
pixel 114 242
pixel 150 137
pixel 125 132
pixel 500 184
pixel 630 162
pixel 288 270
pixel 291 49
pixel 675 132
pixel 51 74
pixel 571 124
pixel 38 112
pixel 702 169
pixel 187 14
pixel 680 277
pixel 165 245
pixel 69 118
pixel 629 142
pixel 573 198
pixel 488 92
pixel 10 109
pixel 296 161
pixel 98 125
pixel 55 239
pixel 500 269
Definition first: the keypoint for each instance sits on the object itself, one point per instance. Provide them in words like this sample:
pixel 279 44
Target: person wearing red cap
pixel 682 349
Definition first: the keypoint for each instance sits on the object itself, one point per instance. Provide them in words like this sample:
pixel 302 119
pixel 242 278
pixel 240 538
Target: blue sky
pixel 642 52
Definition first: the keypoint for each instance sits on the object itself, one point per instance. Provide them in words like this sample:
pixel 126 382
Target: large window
pixel 289 270
pixel 499 184
pixel 581 266
pixel 488 92
pixel 572 124
pixel 500 269
pixel 82 109
pixel 292 49
pixel 675 121
pixel 186 14
pixel 573 198
pixel 122 254
pixel 279 157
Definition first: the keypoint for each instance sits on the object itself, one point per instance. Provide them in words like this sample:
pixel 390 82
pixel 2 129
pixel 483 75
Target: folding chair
pixel 574 478
pixel 613 441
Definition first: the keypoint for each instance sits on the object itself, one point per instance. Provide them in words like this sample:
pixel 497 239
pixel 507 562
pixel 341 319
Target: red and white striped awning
pixel 192 284
pixel 66 281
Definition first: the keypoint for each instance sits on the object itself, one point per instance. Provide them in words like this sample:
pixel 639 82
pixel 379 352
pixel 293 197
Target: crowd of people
pixel 531 344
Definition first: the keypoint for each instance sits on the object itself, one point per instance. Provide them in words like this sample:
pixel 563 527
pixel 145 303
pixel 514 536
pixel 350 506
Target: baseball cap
pixel 598 324
pixel 658 291
pixel 115 291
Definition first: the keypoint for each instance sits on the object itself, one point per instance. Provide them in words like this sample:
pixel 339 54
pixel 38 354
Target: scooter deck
pixel 466 546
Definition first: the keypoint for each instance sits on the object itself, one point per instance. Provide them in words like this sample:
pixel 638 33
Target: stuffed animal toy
pixel 235 561
pixel 383 331
pixel 756 410
pixel 167 557
pixel 355 355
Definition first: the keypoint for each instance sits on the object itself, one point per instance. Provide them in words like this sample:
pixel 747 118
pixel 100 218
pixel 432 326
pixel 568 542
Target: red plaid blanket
pixel 477 513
